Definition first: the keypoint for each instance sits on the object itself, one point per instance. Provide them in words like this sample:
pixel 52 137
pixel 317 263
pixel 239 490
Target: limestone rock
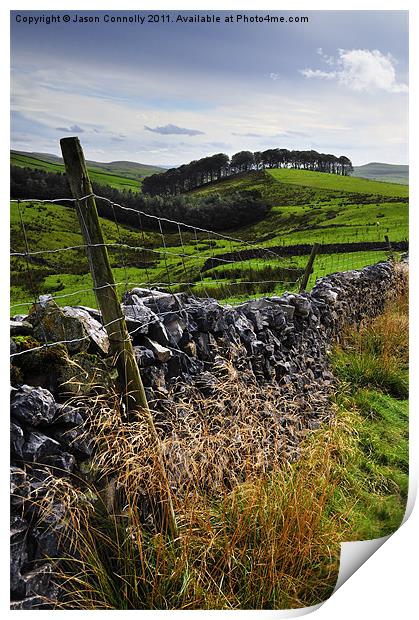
pixel 65 414
pixel 37 581
pixel 95 330
pixel 144 356
pixel 52 324
pixel 141 319
pixel 76 441
pixel 175 327
pixel 18 550
pixel 61 464
pixel 39 447
pixel 20 328
pixel 162 354
pixel 33 405
pixel 17 439
pixel 19 488
pixel 30 602
pixel 49 533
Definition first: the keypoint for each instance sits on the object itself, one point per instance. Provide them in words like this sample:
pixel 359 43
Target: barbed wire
pixel 246 264
pixel 104 326
pixel 52 200
pixel 115 245
pixel 147 215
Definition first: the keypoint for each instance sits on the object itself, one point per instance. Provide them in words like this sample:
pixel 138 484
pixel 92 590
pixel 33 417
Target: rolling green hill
pixel 118 174
pixel 320 180
pixel 305 208
pixel 390 173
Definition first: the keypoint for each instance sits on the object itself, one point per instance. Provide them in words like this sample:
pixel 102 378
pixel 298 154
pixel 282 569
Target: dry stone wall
pixel 176 339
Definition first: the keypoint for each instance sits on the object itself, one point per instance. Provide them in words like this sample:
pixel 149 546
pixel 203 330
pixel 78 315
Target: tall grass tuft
pixel 377 353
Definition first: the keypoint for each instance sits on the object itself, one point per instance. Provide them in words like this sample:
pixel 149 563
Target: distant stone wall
pixel 302 249
pixel 176 339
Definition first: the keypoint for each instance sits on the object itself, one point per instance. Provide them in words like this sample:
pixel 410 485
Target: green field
pixel 120 175
pixel 305 208
pixel 320 180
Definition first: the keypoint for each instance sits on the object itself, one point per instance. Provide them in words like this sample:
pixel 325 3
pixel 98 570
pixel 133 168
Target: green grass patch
pixel 322 180
pixel 373 472
pixel 305 209
pixel 373 362
pixel 52 226
pixel 364 368
pixel 376 355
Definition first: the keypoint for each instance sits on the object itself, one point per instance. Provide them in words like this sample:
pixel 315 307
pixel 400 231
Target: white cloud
pixel 329 60
pixel 72 129
pixel 360 70
pixel 318 73
pixel 273 76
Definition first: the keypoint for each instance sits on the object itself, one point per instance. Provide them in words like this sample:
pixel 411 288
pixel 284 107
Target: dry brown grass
pixel 209 444
pixel 252 526
pixel 267 543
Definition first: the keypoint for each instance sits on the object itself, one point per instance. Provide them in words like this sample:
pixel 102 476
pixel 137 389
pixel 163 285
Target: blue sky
pixel 168 93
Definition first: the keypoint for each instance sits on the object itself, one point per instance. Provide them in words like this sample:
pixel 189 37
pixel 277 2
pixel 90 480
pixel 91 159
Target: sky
pixel 166 93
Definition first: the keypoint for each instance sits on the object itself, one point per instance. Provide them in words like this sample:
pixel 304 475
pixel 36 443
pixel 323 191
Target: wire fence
pixel 161 254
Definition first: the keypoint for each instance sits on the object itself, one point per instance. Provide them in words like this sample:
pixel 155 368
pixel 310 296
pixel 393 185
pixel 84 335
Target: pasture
pixel 305 208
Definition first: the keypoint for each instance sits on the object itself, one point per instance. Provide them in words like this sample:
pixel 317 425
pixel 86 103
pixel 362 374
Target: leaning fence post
pixel 105 290
pixel 309 267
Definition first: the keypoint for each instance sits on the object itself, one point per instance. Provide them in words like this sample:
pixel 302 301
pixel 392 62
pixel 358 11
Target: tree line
pixel 198 172
pixel 213 211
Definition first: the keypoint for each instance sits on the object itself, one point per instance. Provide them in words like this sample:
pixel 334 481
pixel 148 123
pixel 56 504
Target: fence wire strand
pixel 240 254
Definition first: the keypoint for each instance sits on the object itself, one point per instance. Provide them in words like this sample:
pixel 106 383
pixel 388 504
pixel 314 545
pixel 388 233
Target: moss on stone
pixel 25 343
pixel 50 323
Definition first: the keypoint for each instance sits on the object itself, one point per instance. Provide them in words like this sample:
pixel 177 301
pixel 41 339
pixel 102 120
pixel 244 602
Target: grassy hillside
pixel 306 208
pixel 118 174
pixel 130 169
pixel 334 182
pixel 390 173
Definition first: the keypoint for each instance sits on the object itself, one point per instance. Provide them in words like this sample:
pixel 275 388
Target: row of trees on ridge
pixel 213 168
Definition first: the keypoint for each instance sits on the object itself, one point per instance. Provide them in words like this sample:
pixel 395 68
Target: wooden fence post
pixel 309 267
pixel 389 248
pixel 105 290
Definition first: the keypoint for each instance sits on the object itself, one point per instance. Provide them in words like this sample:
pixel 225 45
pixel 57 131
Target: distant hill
pixel 391 173
pixel 118 174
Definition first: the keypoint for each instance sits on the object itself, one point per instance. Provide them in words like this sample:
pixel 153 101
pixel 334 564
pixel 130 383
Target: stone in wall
pixel 48 441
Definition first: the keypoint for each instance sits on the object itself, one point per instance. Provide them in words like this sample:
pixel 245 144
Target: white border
pixel 386 585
